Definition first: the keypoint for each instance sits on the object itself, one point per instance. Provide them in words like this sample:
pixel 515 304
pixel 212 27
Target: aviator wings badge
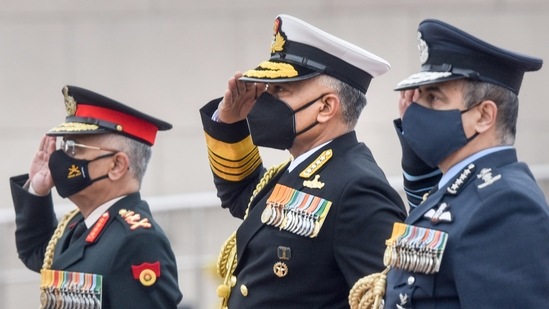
pixel 440 215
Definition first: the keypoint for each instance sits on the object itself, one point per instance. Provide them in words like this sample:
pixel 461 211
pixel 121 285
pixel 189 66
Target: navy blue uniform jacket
pixel 321 270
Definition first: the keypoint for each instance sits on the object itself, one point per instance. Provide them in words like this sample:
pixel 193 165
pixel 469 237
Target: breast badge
pixel 280 269
pixel 284 253
pixel 442 214
pixel 313 184
pixel 403 301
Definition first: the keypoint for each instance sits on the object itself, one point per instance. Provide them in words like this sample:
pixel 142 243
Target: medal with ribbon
pixel 415 249
pixel 64 289
pixel 295 211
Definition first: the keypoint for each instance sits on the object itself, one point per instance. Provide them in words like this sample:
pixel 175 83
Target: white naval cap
pixel 300 51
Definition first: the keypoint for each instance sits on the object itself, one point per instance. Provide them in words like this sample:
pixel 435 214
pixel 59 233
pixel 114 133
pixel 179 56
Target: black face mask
pixel 71 175
pixel 272 122
pixel 434 134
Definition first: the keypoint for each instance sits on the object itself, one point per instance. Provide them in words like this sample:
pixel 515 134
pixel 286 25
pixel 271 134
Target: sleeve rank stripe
pixel 235 173
pixel 233 163
pixel 236 167
pixel 231 151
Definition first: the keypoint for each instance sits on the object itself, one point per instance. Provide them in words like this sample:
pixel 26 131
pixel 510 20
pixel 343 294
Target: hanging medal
pixel 415 249
pixel 294 211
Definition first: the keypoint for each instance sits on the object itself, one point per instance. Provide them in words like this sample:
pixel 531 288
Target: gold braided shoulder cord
pixel 368 292
pixel 226 262
pixel 50 249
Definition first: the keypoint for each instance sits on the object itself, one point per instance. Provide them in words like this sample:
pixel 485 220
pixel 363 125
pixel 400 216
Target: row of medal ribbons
pixel 295 211
pixel 415 249
pixel 64 289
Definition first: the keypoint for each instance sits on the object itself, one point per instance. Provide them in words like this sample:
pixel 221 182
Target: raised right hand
pixel 39 174
pixel 238 99
pixel 406 98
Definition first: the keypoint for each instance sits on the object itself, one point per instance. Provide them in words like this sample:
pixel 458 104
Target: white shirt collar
pixel 96 213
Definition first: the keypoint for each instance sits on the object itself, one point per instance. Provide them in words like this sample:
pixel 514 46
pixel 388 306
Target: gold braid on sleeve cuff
pixel 232 161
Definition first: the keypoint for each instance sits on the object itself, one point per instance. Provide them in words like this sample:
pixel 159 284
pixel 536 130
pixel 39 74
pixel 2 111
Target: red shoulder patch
pixel 146 273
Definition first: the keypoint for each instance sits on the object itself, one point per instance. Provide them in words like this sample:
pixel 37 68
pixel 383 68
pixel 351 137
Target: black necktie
pixel 79 229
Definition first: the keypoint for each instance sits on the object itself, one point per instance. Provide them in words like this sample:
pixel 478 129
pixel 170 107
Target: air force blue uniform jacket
pixel 497 251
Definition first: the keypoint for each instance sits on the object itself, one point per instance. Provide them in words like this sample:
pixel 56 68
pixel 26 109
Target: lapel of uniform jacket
pixel 454 187
pixel 431 202
pixel 253 222
pixel 71 253
pixel 76 251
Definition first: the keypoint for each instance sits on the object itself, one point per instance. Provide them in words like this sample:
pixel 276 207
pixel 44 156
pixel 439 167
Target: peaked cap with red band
pixel 92 113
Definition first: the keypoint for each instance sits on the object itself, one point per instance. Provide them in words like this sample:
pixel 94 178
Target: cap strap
pixel 445 67
pixel 89 121
pixel 302 61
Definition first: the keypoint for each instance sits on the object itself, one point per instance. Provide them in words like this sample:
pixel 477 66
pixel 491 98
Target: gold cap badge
pixel 70 103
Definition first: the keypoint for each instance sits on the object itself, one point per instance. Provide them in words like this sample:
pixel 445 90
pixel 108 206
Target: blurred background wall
pixel 168 58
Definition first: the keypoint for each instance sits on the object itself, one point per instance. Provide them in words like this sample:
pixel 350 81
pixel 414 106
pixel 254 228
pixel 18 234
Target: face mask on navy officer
pixel 315 223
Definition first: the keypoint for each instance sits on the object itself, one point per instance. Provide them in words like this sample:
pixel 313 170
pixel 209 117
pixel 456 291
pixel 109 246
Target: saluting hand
pixel 406 98
pixel 238 99
pixel 39 175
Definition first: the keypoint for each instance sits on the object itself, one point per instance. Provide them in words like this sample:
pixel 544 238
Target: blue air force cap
pixel 447 53
pixel 301 51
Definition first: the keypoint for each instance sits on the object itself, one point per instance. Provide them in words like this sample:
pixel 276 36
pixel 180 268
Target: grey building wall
pixel 170 57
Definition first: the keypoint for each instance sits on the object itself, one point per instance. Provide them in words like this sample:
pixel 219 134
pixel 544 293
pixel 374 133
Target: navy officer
pixel 315 223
